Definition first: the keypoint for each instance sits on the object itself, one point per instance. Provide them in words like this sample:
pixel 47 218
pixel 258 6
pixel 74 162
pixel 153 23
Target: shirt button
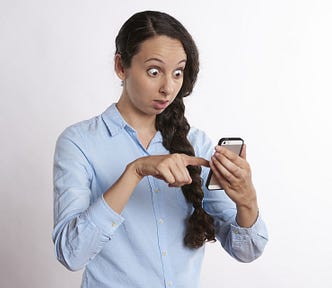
pixel 113 224
pixel 156 190
pixel 170 283
pixel 161 221
pixel 164 253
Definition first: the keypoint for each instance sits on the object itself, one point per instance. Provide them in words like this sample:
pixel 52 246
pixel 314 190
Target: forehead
pixel 161 47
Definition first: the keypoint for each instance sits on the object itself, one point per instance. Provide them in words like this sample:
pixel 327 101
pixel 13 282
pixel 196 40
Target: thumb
pixel 243 153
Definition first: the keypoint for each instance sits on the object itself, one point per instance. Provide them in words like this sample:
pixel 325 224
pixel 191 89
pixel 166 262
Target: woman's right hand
pixel 171 168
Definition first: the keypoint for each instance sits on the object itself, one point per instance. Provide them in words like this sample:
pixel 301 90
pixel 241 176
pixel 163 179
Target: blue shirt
pixel 143 246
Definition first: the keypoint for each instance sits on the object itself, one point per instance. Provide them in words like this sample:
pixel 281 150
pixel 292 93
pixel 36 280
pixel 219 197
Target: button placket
pixel 159 209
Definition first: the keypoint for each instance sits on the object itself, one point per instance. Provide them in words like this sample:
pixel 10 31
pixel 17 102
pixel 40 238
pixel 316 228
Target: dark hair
pixel 172 123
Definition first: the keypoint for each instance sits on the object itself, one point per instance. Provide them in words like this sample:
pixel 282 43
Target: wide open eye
pixel 178 73
pixel 153 72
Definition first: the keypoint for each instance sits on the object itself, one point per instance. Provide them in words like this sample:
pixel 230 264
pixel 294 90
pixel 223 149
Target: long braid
pixel 174 128
pixel 171 123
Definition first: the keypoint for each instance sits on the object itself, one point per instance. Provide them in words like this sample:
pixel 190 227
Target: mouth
pixel 160 104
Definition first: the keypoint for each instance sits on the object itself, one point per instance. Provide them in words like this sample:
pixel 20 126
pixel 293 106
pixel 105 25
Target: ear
pixel 118 67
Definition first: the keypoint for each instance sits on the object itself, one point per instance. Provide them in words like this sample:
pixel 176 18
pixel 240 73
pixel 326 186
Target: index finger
pixel 196 161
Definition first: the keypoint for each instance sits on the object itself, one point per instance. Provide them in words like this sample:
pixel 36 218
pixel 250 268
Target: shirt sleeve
pixel 243 244
pixel 81 226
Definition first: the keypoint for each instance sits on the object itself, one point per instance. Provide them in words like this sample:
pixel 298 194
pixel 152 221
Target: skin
pixel 150 84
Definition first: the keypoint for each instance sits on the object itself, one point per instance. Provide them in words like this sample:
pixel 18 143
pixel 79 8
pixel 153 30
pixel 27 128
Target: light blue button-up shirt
pixel 143 247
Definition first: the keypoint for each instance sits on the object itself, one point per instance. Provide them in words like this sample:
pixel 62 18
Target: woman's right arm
pixel 83 228
pixel 171 168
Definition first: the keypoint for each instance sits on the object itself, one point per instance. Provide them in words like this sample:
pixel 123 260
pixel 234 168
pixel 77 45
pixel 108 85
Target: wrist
pixel 250 205
pixel 247 214
pixel 134 169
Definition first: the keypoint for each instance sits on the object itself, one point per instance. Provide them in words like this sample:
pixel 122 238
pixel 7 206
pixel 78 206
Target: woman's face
pixel 154 78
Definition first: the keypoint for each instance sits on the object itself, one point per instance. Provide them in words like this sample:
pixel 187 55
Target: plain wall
pixel 265 76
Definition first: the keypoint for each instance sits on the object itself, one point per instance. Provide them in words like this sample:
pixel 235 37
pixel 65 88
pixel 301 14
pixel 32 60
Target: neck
pixel 138 122
pixel 143 124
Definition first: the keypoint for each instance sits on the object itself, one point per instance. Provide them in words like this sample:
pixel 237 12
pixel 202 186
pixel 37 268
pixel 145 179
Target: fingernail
pixel 219 148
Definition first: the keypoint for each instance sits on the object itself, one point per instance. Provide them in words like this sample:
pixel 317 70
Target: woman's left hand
pixel 233 172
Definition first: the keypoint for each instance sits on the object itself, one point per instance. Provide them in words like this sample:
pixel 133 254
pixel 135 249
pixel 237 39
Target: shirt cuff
pixel 257 228
pixel 104 217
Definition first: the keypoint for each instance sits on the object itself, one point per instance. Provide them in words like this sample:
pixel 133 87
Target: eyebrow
pixel 161 61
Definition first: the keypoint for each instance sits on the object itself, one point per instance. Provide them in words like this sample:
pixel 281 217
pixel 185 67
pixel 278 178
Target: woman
pixel 130 202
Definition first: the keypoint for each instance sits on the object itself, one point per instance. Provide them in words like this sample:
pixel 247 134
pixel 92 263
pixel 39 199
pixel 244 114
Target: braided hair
pixel 172 122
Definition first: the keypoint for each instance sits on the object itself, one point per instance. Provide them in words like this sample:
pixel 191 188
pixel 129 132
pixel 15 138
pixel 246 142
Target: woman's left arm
pixel 239 228
pixel 234 174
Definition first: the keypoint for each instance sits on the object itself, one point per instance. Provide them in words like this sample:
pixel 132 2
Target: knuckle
pixel 179 158
pixel 174 156
pixel 162 165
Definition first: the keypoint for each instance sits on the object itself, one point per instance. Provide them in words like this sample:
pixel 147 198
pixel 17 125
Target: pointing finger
pixel 196 161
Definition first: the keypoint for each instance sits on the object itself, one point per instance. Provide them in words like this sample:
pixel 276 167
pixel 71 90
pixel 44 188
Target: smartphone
pixel 234 144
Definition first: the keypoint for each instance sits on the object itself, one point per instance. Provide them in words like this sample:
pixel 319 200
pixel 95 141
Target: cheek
pixel 135 86
pixel 179 86
pixel 142 83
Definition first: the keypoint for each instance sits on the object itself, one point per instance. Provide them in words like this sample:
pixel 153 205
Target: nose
pixel 167 86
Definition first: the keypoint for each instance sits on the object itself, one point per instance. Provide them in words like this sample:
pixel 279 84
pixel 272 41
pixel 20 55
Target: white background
pixel 266 71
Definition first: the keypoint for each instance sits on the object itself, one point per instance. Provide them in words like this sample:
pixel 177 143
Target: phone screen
pixel 233 144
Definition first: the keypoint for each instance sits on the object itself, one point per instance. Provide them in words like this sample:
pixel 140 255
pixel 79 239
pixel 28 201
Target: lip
pixel 160 104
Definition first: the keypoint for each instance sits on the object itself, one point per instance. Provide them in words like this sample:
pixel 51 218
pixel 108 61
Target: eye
pixel 153 72
pixel 178 73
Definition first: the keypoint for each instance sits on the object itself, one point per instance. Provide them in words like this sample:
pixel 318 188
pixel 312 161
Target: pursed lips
pixel 160 104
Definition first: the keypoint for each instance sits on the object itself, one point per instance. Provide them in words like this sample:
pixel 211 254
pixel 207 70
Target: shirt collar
pixel 113 120
pixel 115 123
